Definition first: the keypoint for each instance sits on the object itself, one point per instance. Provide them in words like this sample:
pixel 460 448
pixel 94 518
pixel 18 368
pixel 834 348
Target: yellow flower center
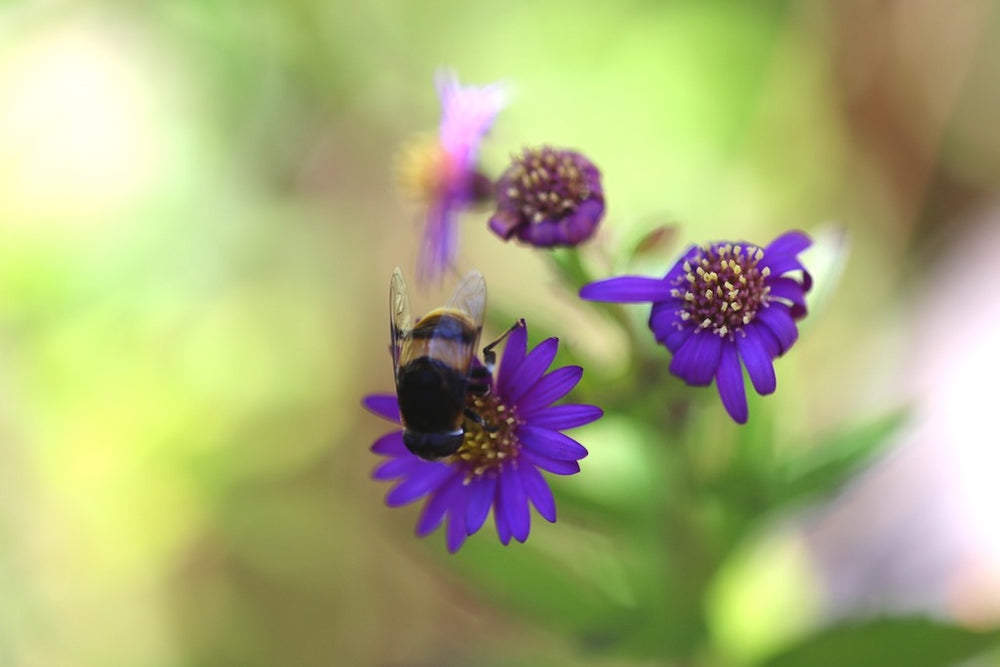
pixel 490 445
pixel 422 168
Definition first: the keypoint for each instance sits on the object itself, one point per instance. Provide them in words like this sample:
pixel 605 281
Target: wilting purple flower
pixel 720 305
pixel 498 464
pixel 549 197
pixel 442 171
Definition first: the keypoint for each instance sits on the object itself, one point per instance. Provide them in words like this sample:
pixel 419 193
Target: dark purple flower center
pixel 544 183
pixel 488 446
pixel 722 288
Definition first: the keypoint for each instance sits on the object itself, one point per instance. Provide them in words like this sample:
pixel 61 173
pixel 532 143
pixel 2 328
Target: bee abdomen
pixel 431 395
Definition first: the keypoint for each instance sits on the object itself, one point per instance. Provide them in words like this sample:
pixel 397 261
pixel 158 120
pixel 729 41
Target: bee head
pixel 432 446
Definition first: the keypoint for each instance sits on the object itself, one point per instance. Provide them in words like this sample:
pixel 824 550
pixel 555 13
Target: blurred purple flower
pixel 497 466
pixel 549 197
pixel 721 305
pixel 441 171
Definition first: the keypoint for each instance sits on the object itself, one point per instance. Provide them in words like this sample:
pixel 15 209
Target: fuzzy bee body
pixel 432 362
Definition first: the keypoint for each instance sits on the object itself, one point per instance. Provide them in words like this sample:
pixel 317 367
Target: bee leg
pixel 480 378
pixel 489 356
pixel 478 419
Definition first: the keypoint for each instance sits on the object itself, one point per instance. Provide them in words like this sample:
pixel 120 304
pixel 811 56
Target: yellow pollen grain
pixel 419 167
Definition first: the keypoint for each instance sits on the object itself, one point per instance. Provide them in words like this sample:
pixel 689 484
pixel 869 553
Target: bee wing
pixel 399 316
pixel 470 298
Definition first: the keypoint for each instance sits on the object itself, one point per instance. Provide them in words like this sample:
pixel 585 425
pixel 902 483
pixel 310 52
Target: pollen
pixel 422 168
pixel 492 444
pixel 723 288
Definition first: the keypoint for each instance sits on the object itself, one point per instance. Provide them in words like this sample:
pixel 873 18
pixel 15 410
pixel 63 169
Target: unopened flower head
pixel 441 171
pixel 549 197
pixel 498 465
pixel 720 305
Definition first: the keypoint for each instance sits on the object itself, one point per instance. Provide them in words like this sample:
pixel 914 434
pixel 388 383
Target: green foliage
pixel 916 642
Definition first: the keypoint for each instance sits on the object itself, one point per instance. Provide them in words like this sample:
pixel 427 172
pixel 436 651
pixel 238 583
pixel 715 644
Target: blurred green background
pixel 198 221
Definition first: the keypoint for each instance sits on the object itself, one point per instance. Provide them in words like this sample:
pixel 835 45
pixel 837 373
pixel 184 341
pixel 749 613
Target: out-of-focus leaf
pixel 536 584
pixel 915 642
pixel 767 577
pixel 834 461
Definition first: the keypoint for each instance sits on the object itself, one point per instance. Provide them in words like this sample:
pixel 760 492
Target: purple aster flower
pixel 441 171
pixel 720 305
pixel 549 197
pixel 500 460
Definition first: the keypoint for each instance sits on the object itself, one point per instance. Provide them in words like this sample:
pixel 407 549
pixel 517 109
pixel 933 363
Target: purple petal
pixel 753 352
pixel 456 530
pixel 481 492
pixel 677 270
pixel 532 368
pixel 539 492
pixel 513 503
pixel 730 382
pixel 792 291
pixel 549 389
pixel 390 444
pixel 676 338
pixel 550 465
pixel 697 359
pixel 406 465
pixel 789 243
pixel 782 264
pixel 663 318
pixel 559 417
pixel 439 502
pixel 513 354
pixel 626 289
pixel 383 405
pixel 500 520
pixel 780 323
pixel 467 112
pixel 551 444
pixel 437 252
pixel 428 478
pixel 767 339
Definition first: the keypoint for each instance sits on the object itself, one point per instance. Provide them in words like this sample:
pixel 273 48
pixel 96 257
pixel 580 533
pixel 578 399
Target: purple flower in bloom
pixel 442 171
pixel 499 462
pixel 720 305
pixel 549 197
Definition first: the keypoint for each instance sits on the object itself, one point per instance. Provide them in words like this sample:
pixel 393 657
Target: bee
pixel 434 368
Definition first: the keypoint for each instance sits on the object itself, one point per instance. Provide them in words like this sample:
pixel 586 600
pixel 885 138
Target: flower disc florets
pixel 491 444
pixel 722 288
pixel 549 197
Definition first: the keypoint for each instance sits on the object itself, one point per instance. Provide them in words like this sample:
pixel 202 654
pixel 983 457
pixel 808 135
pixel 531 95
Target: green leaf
pixel 913 641
pixel 833 462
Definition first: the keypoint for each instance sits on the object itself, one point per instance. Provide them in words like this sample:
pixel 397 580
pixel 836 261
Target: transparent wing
pixel 399 316
pixel 470 298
